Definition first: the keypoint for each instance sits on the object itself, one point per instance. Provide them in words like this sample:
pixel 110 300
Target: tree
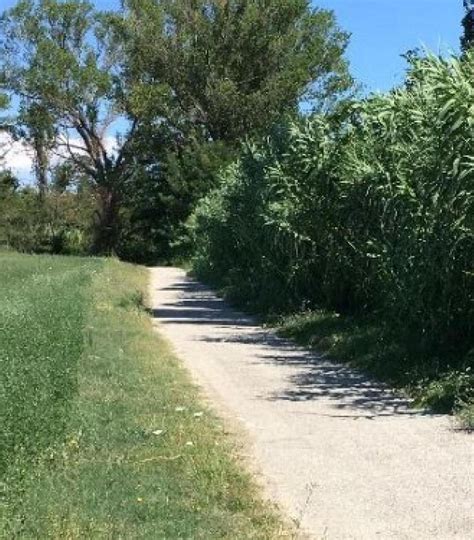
pixel 8 183
pixel 205 74
pixel 198 75
pixel 467 39
pixel 230 68
pixel 58 60
pixel 36 126
pixel 168 179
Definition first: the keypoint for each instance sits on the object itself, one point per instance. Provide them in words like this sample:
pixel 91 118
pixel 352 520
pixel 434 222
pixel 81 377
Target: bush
pixel 371 211
pixel 59 224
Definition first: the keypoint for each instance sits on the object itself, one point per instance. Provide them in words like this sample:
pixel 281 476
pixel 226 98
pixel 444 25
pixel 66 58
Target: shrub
pixel 59 224
pixel 370 211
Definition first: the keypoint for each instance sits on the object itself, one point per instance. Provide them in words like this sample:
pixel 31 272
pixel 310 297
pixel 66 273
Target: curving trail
pixel 339 453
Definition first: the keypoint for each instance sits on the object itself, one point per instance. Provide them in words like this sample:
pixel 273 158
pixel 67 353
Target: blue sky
pixel 382 30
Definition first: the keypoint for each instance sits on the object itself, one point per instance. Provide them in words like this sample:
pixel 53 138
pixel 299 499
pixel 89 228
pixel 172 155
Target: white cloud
pixel 18 156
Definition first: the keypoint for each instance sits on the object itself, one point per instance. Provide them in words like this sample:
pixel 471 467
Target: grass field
pixel 103 436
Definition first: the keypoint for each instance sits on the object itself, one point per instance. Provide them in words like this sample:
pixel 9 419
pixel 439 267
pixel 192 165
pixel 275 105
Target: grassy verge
pixel 367 344
pixel 42 314
pixel 128 450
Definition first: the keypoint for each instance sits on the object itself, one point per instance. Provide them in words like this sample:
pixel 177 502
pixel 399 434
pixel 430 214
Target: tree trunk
pixel 41 166
pixel 107 228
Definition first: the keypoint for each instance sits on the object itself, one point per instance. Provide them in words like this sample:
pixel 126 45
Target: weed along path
pixel 342 455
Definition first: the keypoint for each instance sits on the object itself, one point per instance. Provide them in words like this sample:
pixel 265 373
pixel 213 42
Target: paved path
pixel 339 453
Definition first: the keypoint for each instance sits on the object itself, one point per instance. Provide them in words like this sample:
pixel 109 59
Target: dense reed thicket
pixel 369 210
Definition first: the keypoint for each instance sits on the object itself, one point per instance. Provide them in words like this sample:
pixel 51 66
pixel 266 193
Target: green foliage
pixel 35 125
pixel 52 60
pixel 62 63
pixel 453 390
pixel 466 415
pixel 194 76
pixel 160 197
pixel 3 101
pixel 201 77
pixel 370 212
pixel 8 184
pixel 231 68
pixel 59 223
pixel 467 39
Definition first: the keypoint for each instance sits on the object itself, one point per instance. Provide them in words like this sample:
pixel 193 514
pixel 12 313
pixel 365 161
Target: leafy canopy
pixel 57 60
pixel 231 67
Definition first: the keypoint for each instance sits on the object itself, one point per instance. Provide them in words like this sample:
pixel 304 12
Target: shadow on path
pixel 311 377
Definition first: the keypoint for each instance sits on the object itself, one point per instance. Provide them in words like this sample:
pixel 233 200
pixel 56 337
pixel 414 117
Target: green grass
pixel 103 434
pixel 42 314
pixel 367 344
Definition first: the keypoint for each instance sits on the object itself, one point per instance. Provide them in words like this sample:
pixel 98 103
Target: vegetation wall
pixel 369 210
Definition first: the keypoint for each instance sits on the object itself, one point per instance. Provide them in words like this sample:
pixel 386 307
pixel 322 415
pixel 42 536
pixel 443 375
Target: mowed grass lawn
pixel 102 433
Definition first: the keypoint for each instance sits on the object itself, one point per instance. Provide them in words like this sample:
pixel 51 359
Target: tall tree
pixel 36 125
pixel 467 39
pixel 232 67
pixel 205 74
pixel 207 71
pixel 57 59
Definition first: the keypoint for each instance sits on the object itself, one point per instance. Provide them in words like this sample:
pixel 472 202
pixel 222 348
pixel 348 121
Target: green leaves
pixel 232 68
pixel 373 212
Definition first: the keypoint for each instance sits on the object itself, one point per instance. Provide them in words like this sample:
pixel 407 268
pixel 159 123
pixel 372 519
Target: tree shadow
pixel 197 305
pixel 314 378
